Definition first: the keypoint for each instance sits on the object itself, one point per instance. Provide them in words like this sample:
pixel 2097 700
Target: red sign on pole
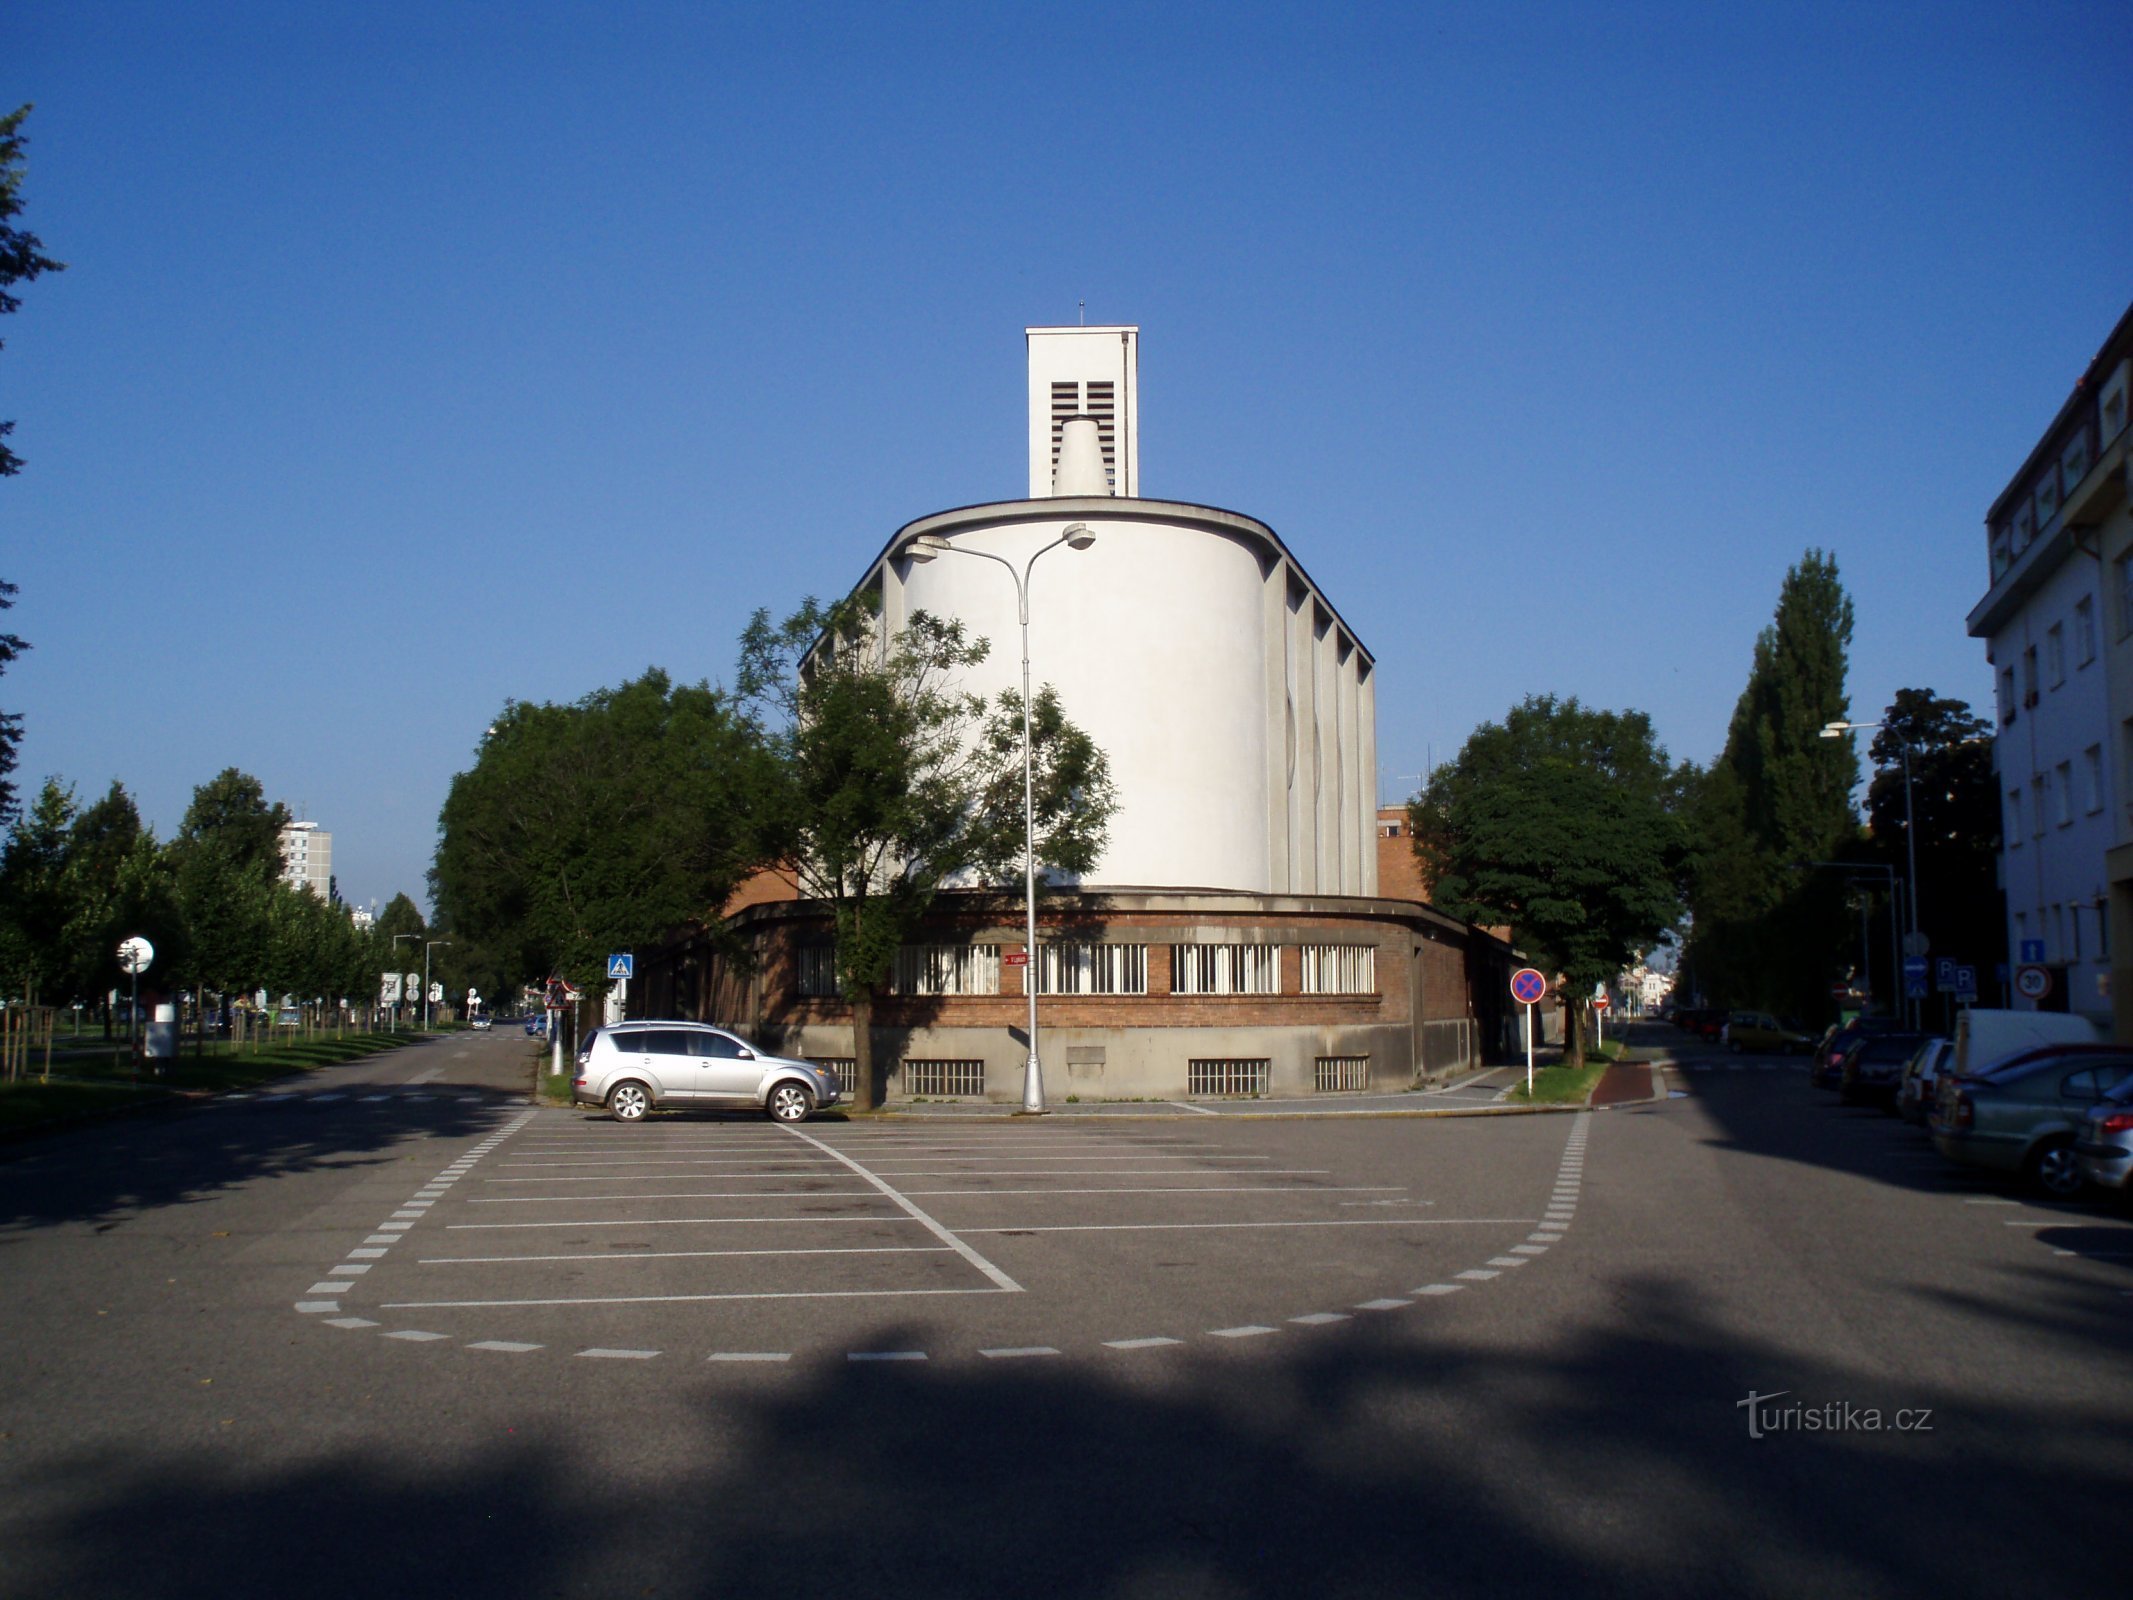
pixel 1527 986
pixel 1015 958
pixel 1600 1002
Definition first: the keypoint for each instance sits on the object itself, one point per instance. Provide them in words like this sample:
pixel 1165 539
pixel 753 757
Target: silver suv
pixel 633 1067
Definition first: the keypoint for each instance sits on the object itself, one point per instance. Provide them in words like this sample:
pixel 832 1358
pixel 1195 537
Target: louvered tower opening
pixel 1097 398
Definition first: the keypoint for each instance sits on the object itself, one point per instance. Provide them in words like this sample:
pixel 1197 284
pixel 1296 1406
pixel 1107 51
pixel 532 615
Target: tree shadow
pixel 1609 1456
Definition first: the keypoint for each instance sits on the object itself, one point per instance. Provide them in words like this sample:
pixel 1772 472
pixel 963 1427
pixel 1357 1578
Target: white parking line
pixel 514 1347
pixel 1186 1105
pixel 691 1194
pixel 682 1255
pixel 1020 1350
pixel 993 1273
pixel 1336 1222
pixel 1139 1344
pixel 749 1355
pixel 1251 1330
pixel 885 1355
pixel 678 1299
pixel 1318 1319
pixel 1254 1188
pixel 666 1222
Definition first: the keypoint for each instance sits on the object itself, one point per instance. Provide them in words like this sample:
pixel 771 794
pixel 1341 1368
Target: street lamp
pixel 1837 730
pixel 426 949
pixel 1895 884
pixel 396 961
pixel 1076 536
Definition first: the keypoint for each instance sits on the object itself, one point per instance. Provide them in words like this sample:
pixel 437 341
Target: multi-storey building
pixel 2058 626
pixel 1233 938
pixel 307 858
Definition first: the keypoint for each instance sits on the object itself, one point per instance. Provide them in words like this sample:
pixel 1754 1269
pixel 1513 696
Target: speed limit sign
pixel 2033 983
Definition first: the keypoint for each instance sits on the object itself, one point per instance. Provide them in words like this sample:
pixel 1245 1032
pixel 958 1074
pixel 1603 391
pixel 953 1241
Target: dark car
pixel 1828 1068
pixel 1873 1067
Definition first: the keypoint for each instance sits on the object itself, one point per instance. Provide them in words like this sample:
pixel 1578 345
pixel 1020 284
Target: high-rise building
pixel 307 858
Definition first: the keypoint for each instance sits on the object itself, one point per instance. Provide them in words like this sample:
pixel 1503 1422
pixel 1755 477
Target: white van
pixel 1983 1037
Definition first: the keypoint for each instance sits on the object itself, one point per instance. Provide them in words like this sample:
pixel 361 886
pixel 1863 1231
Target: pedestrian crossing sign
pixel 621 966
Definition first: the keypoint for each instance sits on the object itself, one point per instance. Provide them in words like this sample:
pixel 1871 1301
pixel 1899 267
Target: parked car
pixel 480 1024
pixel 1874 1065
pixel 1914 1091
pixel 1829 1054
pixel 636 1067
pixel 1984 1035
pixel 1762 1032
pixel 2103 1146
pixel 2024 1114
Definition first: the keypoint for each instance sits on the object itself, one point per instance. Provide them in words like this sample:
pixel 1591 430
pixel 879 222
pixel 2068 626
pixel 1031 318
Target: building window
pixel 1228 1077
pixel 2084 632
pixel 2014 819
pixel 2122 569
pixel 2125 759
pixel 2001 559
pixel 1225 969
pixel 2007 695
pixel 2063 794
pixel 2103 929
pixel 936 1079
pixel 1340 1074
pixel 2073 932
pixel 1340 968
pixel 946 969
pixel 1092 969
pixel 2029 676
pixel 2037 786
pixel 817 965
pixel 2092 779
pixel 2055 655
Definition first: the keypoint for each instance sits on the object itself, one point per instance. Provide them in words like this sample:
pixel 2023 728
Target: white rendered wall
pixel 1154 639
pixel 2056 882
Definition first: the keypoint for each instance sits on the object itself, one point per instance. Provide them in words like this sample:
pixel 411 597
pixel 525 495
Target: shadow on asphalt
pixel 1616 1460
pixel 107 1172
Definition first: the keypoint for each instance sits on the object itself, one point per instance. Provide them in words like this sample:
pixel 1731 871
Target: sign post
pixel 134 955
pixel 1527 986
pixel 1600 1003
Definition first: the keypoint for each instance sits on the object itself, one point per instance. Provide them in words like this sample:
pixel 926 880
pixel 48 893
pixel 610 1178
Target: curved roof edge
pixel 1114 508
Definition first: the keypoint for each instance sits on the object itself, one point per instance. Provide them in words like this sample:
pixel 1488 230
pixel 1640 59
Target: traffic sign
pixel 1015 958
pixel 1944 974
pixel 389 989
pixel 1966 983
pixel 1914 967
pixel 436 994
pixel 1600 1002
pixel 134 955
pixel 1527 986
pixel 1914 988
pixel 1916 944
pixel 2032 951
pixel 2033 982
pixel 622 965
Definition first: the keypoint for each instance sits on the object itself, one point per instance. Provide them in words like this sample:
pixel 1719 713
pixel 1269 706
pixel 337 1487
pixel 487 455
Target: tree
pixel 894 781
pixel 226 865
pixel 1956 803
pixel 1561 822
pixel 1765 922
pixel 35 905
pixel 22 259
pixel 599 826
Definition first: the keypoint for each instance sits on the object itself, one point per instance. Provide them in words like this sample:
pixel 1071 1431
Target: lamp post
pixel 396 961
pixel 1076 536
pixel 1837 730
pixel 1895 898
pixel 426 949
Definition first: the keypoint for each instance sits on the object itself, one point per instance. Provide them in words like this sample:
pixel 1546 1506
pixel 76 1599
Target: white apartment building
pixel 307 858
pixel 2058 626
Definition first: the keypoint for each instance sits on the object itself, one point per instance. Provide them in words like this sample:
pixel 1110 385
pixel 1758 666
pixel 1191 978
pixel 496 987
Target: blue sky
pixel 416 357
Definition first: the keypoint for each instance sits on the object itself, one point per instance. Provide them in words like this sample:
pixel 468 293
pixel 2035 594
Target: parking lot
pixel 735 1239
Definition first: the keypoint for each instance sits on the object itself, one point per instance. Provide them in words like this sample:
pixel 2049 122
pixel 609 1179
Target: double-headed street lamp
pixel 1837 730
pixel 1076 536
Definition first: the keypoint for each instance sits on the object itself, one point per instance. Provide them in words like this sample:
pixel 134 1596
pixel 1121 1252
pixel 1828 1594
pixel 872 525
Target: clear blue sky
pixel 416 357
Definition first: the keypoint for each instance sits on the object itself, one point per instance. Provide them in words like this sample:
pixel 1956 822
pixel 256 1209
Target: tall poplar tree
pixel 1767 926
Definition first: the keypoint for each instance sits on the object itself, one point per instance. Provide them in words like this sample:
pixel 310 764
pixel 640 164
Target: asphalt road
pixel 396 1332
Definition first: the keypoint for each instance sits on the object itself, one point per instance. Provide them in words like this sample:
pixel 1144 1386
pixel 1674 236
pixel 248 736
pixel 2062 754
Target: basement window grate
pixel 1340 1074
pixel 944 1078
pixel 1213 1078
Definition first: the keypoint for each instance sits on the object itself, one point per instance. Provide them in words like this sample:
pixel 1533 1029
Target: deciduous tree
pixel 1562 822
pixel 895 781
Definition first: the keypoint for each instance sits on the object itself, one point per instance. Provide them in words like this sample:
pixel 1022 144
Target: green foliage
pixel 894 781
pixel 1561 822
pixel 1956 802
pixel 1765 926
pixel 22 258
pixel 35 907
pixel 599 826
pixel 225 867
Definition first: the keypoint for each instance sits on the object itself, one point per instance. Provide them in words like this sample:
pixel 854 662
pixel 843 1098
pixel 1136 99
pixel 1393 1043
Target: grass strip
pixel 1556 1086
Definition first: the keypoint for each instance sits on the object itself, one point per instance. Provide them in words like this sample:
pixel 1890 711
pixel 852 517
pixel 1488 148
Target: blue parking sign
pixel 1944 974
pixel 1966 983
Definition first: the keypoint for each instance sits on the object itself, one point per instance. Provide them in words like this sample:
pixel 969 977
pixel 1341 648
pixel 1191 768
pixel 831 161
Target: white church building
pixel 1230 940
